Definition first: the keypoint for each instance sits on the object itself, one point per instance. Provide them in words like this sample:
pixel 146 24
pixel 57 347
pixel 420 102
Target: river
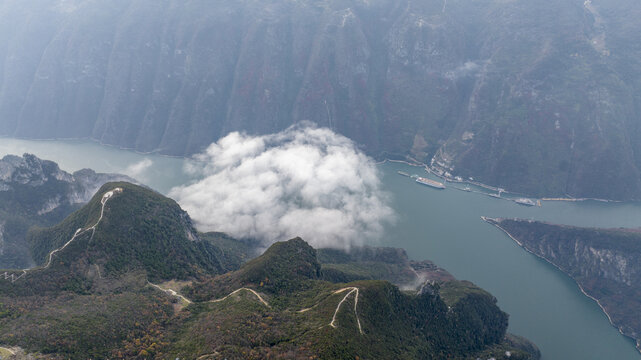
pixel 545 305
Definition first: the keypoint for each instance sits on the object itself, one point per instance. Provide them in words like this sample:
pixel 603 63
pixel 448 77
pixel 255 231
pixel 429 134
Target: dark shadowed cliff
pixel 539 97
pixel 606 263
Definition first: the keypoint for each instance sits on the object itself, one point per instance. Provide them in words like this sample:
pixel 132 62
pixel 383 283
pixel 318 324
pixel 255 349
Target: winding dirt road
pixel 108 195
pixel 352 290
pixel 176 294
pixel 6 350
pixel 246 289
pixel 171 292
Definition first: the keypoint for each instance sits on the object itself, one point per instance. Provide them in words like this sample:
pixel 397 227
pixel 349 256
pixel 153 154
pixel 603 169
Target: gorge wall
pixel 606 263
pixel 539 97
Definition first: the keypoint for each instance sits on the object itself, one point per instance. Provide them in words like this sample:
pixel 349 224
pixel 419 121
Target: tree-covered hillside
pixel 37 192
pixel 127 276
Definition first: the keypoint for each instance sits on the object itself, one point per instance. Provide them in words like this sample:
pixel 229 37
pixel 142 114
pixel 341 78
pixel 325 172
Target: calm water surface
pixel 444 226
pixel 544 304
pixel 159 172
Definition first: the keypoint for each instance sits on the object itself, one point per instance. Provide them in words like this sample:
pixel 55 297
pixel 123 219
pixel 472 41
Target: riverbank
pixel 99 143
pixel 430 169
pixel 444 226
pixel 441 174
pixel 496 222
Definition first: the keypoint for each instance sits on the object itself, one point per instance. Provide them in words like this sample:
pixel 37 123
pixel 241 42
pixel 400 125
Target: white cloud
pixel 304 181
pixel 139 169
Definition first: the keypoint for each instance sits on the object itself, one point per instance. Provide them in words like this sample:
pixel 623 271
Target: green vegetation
pixel 95 300
pixel 114 315
pixel 394 324
pixel 366 263
pixel 35 192
pixel 231 253
pixel 141 229
pixel 454 291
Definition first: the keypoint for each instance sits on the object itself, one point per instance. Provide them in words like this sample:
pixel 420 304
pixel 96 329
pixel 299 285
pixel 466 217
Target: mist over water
pixel 304 181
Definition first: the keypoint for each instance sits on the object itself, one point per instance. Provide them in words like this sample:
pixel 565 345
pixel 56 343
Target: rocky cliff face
pixel 31 173
pixel 37 192
pixel 540 97
pixel 588 261
pixel 605 263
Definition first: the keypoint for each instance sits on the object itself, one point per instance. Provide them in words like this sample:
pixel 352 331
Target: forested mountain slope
pixel 37 192
pixel 127 276
pixel 539 97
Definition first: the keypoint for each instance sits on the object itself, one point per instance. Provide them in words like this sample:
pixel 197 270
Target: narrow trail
pixel 333 322
pixel 108 195
pixel 11 352
pixel 171 292
pixel 13 277
pixel 203 357
pixel 246 289
pixel 176 294
pixel 352 290
pixel 307 309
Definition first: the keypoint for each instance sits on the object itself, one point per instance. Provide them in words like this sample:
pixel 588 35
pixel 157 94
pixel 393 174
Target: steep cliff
pixel 37 192
pixel 539 97
pixel 606 263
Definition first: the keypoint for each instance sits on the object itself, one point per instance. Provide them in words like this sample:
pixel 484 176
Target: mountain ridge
pixel 138 229
pixel 492 90
pixel 36 192
pixel 98 282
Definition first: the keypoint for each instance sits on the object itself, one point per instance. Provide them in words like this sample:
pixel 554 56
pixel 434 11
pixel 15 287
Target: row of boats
pixel 439 185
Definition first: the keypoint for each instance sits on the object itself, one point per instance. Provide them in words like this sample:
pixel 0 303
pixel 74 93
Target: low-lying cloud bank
pixel 139 170
pixel 304 181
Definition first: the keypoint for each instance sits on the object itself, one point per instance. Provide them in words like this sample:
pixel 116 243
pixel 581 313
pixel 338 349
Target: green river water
pixel 545 305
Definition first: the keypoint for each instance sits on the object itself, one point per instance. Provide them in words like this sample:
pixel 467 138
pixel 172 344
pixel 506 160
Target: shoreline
pixel 410 162
pixel 98 142
pixel 431 170
pixel 494 222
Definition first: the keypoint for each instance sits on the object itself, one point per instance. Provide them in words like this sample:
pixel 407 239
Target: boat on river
pixel 525 202
pixel 430 183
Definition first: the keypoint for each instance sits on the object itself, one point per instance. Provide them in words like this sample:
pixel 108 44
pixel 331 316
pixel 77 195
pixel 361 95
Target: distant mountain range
pixel 541 97
pixel 127 276
pixel 35 192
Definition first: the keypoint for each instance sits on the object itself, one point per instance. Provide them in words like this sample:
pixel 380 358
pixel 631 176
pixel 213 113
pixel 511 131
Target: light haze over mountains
pixel 540 97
